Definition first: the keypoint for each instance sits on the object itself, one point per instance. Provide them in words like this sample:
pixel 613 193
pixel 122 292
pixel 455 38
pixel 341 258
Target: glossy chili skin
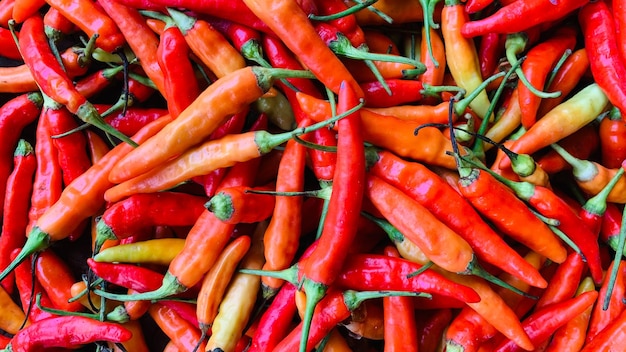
pixel 67 331
pixel 519 16
pixel 15 115
pixel 16 204
pixel 607 67
pixel 612 131
pixel 181 85
pixel 275 322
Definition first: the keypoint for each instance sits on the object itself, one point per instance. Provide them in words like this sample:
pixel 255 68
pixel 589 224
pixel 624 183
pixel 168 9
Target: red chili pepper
pixel 142 211
pixel 6 12
pixel 57 25
pixel 607 67
pixel 435 69
pixel 280 16
pixel 542 324
pixel 321 268
pixel 612 131
pixel 519 16
pixel 94 83
pixel 180 83
pixel 346 24
pixel 53 80
pixel 605 312
pixel 48 182
pixel 537 66
pixel 241 205
pixel 92 21
pixel 56 278
pixel 28 288
pixel 569 75
pixel 133 119
pixel 9 48
pixel 371 272
pixel 71 148
pixel 619 15
pixel 611 225
pixel 473 6
pixel 182 333
pixel 431 327
pixel 15 115
pixel 275 322
pixel 610 338
pixel 141 39
pixel 489 52
pixel 402 92
pixel 68 332
pixel 564 282
pixel 16 204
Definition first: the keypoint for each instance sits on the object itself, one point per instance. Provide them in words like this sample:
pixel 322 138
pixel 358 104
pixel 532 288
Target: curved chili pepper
pixel 64 216
pixel 489 53
pixel 56 278
pixel 604 313
pixel 541 324
pixel 159 251
pixel 237 305
pixel 565 79
pixel 180 85
pixel 611 225
pixel 208 44
pixel 564 282
pixel 572 334
pixel 133 119
pixel 17 79
pixel 6 12
pixel 142 211
pixel 57 25
pixel 12 316
pixel 16 203
pixel 182 333
pixel 67 331
pixel 48 182
pixel 22 10
pixel 370 272
pixel 53 80
pixel 346 24
pixel 251 82
pixel 461 56
pixel 71 148
pixel 275 322
pixel 610 338
pixel 536 67
pixel 141 39
pixel 517 17
pixel 402 92
pixel 434 72
pixel 282 236
pixel 217 280
pixel 607 67
pixel 15 115
pixel 431 328
pixel 92 21
pixel 314 53
pixel 562 121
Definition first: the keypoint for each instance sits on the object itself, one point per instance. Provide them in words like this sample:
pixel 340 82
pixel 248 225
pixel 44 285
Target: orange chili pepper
pixel 434 73
pixel 11 315
pixel 56 278
pixel 216 281
pixel 181 332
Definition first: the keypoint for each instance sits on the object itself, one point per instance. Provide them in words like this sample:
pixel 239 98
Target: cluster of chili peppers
pixel 299 175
